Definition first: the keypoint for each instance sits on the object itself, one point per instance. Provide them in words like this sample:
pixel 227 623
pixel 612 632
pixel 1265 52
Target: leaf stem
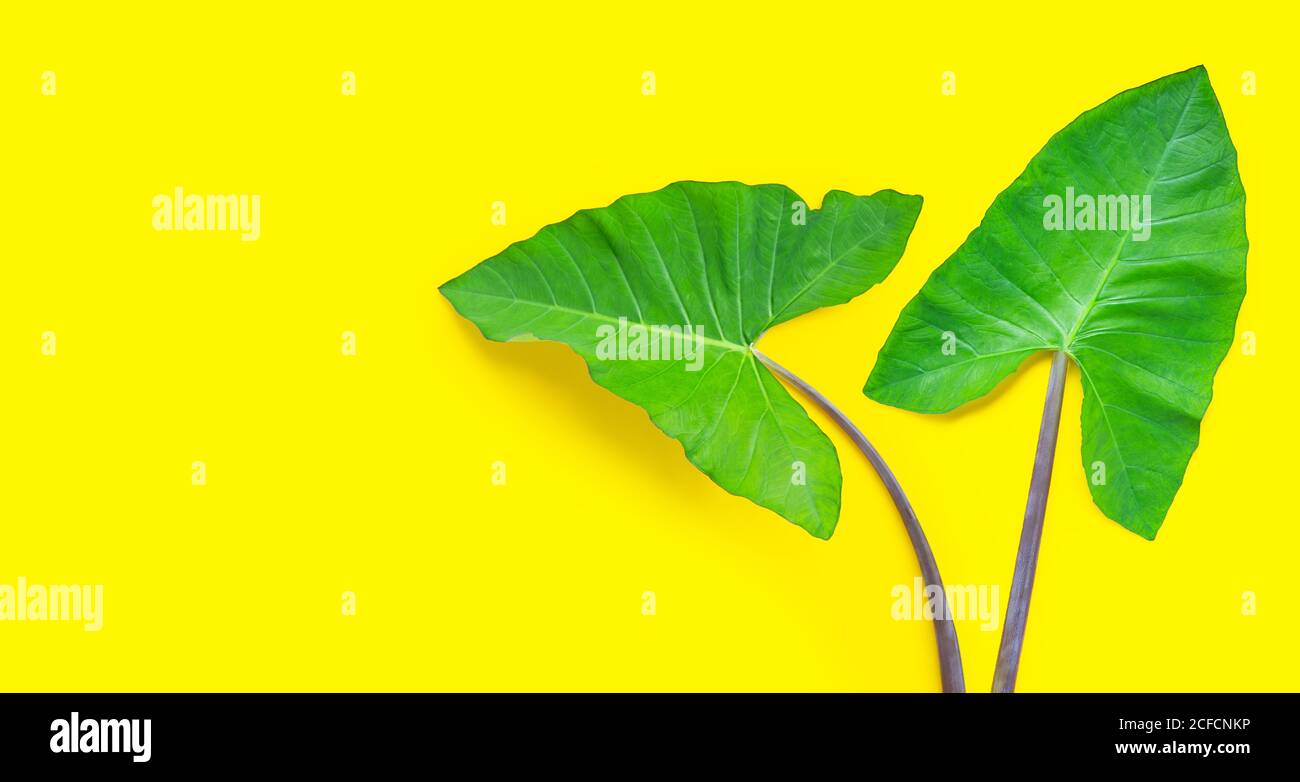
pixel 944 632
pixel 1022 583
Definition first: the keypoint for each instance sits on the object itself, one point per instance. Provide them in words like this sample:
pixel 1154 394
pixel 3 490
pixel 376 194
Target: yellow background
pixel 371 473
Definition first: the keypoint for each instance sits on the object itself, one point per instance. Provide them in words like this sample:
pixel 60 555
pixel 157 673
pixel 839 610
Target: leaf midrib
pixel 658 327
pixel 1086 312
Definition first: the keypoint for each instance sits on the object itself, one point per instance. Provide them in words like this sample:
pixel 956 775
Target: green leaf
pixel 728 259
pixel 1146 312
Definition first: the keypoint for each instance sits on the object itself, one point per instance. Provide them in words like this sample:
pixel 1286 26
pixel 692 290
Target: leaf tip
pixel 823 531
pixel 912 200
pixel 1144 525
pixel 1147 527
pixel 867 389
pixel 1196 73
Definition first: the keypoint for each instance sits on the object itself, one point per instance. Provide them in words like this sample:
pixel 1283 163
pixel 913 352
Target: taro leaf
pixel 729 259
pixel 1146 310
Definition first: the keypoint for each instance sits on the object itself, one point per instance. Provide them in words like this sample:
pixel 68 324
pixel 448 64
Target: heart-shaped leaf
pixel 1122 244
pixel 664 294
